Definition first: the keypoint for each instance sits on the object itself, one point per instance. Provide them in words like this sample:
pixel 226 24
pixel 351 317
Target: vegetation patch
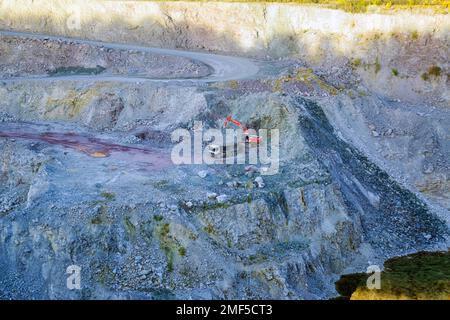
pixel 63 71
pixel 423 275
pixel 108 195
pixel 233 84
pixel 129 227
pixel 205 206
pixel 358 6
pixel 305 76
pixel 161 184
pixel 104 274
pixel 182 251
pixel 377 66
pixel 209 228
pixel 433 71
pixel 102 215
pixel 168 244
pixel 97 220
pixel 165 185
pixel 356 63
pixel 257 258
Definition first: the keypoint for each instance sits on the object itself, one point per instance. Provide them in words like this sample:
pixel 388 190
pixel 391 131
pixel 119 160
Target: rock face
pixel 102 105
pixel 390 54
pixel 411 144
pixel 103 113
pixel 132 233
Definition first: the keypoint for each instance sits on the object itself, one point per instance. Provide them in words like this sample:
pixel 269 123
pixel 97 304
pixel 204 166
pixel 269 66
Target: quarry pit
pixel 87 174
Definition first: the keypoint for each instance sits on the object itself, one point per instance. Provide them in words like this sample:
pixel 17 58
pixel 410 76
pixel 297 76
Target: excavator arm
pixel 248 137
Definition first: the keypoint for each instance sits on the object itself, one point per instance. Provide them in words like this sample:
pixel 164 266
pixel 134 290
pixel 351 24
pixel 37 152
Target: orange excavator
pixel 248 137
pixel 220 151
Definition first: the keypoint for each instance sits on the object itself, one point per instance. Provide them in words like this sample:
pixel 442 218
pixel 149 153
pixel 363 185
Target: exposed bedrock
pixel 103 105
pixel 147 233
pixel 408 141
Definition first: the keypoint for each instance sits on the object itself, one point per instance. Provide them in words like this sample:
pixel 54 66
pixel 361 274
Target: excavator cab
pixel 220 151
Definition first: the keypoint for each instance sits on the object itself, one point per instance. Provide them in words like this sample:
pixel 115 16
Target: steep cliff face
pixel 392 55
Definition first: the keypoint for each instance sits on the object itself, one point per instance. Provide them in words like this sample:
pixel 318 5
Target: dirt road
pixel 223 67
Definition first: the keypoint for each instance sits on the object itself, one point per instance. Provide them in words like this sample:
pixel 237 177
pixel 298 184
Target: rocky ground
pixel 86 179
pixel 24 57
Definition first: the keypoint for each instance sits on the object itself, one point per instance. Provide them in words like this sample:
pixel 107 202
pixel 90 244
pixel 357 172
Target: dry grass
pixel 351 5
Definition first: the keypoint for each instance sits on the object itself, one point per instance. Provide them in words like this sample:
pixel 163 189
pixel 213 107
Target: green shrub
pixel 62 71
pixel 210 229
pixel 356 62
pixel 182 251
pixel 108 195
pixel 377 66
pixel 435 71
pixel 425 76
